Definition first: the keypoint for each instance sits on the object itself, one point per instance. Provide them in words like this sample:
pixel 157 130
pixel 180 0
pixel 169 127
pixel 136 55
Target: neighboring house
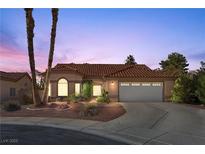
pixel 14 84
pixel 123 82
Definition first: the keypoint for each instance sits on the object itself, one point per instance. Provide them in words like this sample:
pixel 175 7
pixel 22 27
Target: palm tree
pixel 51 52
pixel 30 27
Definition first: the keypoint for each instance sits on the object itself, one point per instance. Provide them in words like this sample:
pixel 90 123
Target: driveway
pixel 144 123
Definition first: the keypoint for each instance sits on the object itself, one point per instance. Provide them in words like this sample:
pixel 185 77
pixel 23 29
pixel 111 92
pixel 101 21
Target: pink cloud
pixel 18 60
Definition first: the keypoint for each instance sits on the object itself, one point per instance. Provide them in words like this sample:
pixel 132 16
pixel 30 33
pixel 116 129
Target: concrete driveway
pixel 144 123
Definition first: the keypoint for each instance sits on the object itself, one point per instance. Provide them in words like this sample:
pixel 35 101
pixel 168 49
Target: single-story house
pixel 127 83
pixel 14 84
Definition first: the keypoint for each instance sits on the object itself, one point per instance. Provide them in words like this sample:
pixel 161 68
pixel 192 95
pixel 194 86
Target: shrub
pixel 90 110
pixel 26 100
pixel 184 89
pixel 74 99
pixel 60 99
pixel 201 88
pixel 87 89
pixel 11 105
pixel 104 98
pixel 194 99
pixel 100 99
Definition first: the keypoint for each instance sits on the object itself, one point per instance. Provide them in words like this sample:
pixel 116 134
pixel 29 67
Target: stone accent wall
pixel 168 87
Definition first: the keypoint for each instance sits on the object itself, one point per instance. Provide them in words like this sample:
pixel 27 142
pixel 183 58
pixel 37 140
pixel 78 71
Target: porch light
pixel 112 83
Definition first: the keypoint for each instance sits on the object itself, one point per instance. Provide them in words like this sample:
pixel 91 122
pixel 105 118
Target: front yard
pixel 102 112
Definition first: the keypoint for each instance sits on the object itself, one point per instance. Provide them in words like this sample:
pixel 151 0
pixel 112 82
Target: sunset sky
pixel 103 36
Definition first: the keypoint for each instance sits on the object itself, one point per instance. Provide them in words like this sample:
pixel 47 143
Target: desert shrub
pixel 11 105
pixel 26 100
pixel 24 97
pixel 57 99
pixel 73 99
pixel 194 99
pixel 104 98
pixel 90 110
pixel 61 99
pixel 87 89
pixel 184 89
pixel 100 99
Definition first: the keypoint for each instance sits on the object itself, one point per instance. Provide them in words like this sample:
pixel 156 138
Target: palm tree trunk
pixel 30 27
pixel 51 52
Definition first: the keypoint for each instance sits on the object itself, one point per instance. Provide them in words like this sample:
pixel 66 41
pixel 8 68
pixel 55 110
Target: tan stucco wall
pixel 168 87
pixel 71 88
pixel 24 83
pixel 5 89
pixel 54 88
pixel 67 76
pixel 112 88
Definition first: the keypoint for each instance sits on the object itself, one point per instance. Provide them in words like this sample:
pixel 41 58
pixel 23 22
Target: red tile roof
pixel 137 72
pixel 111 70
pixel 12 76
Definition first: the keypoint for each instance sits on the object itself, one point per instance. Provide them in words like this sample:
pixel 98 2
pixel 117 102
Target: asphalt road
pixel 40 135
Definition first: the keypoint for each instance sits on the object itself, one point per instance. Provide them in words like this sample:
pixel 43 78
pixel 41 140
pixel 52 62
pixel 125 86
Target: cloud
pixel 11 53
pixel 198 56
pixel 18 60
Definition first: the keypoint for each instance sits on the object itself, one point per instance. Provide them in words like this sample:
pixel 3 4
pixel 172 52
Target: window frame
pixel 135 84
pixel 77 83
pixel 12 92
pixel 49 89
pixel 124 84
pixel 96 95
pixel 157 84
pixel 146 84
pixel 62 84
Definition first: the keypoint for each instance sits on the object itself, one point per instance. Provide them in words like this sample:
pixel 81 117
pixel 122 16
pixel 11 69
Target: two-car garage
pixel 141 91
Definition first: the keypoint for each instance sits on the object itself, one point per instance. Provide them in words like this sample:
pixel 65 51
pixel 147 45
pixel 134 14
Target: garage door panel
pixel 140 93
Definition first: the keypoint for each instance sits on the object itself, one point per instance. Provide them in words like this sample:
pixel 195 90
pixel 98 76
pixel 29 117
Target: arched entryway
pixel 62 87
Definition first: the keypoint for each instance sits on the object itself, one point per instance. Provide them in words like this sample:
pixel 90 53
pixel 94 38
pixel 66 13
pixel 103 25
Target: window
pixel 97 90
pixel 77 89
pixel 124 84
pixel 135 84
pixel 49 89
pixel 12 92
pixel 146 84
pixel 62 87
pixel 156 84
